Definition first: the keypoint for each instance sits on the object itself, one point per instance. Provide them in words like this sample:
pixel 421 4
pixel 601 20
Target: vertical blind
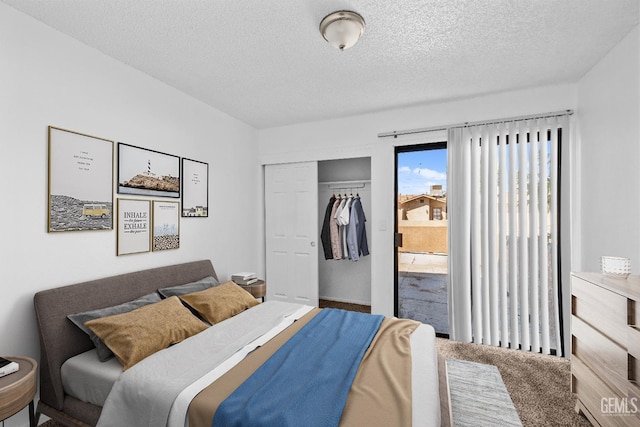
pixel 503 195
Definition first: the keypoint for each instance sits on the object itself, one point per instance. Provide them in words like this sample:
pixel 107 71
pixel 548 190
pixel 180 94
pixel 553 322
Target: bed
pixel 206 373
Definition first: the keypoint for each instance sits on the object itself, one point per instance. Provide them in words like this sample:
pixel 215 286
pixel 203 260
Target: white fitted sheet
pixel 88 379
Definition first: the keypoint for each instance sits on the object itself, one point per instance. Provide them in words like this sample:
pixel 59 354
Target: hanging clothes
pixel 341 206
pixel 343 233
pixel 356 232
pixel 325 234
pixel 343 221
pixel 336 248
pixel 352 235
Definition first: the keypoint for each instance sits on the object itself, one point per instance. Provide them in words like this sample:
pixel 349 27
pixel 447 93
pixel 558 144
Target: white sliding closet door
pixel 291 229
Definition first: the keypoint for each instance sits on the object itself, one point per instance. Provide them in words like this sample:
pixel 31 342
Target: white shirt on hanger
pixel 343 218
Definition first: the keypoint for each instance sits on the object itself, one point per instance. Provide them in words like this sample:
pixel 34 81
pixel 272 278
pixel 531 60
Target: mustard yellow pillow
pixel 220 302
pixel 139 333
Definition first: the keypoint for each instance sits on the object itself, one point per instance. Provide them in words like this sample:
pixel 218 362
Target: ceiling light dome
pixel 342 29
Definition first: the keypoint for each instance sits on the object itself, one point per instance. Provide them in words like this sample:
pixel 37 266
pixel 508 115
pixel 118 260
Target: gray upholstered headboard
pixel 60 339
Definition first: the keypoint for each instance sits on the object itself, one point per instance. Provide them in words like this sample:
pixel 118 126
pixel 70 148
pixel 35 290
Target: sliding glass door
pixel 421 234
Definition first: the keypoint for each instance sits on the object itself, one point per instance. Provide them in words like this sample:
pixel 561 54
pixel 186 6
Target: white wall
pixel 357 137
pixel 609 127
pixel 47 78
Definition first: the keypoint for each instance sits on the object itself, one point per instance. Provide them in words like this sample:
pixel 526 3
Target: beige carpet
pixel 539 386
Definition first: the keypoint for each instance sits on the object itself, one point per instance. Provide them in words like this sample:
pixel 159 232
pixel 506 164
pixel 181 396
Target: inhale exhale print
pixel 134 231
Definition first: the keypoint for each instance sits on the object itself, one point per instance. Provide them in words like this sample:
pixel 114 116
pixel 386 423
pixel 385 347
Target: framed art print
pixel 195 188
pixel 80 182
pixel 166 225
pixel 146 172
pixel 134 226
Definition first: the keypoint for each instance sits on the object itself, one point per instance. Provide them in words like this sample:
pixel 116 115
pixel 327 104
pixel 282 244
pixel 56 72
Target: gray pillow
pixel 79 320
pixel 189 288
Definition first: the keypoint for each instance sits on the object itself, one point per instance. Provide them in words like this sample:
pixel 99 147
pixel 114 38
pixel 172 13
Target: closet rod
pixel 395 134
pixel 345 184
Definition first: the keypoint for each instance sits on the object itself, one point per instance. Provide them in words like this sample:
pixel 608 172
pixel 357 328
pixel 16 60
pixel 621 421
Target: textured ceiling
pixel 265 62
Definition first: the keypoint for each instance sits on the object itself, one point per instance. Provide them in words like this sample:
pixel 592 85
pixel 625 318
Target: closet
pixel 296 198
pixel 345 280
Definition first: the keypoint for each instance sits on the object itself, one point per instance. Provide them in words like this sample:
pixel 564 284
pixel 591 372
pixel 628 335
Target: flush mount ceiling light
pixel 342 29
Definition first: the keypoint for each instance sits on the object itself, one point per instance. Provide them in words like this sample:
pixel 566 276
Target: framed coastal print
pixel 195 188
pixel 134 226
pixel 80 185
pixel 166 225
pixel 146 172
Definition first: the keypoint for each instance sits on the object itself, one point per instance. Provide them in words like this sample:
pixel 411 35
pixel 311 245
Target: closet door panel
pixel 291 198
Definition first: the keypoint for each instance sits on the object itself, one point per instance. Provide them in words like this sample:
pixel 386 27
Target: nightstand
pixel 257 289
pixel 18 389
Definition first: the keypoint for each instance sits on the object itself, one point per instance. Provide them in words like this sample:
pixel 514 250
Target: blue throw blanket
pixel 306 382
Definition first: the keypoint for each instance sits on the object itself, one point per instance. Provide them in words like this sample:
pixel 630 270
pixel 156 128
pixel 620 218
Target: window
pixel 437 214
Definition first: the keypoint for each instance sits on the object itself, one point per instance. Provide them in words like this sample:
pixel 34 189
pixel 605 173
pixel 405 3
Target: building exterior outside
pixel 422 258
pixel 422 221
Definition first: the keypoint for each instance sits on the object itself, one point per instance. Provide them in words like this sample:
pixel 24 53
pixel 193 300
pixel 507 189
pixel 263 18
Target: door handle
pixel 397 240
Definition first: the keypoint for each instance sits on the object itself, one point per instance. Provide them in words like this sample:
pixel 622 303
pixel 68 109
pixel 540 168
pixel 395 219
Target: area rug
pixel 539 385
pixel 478 396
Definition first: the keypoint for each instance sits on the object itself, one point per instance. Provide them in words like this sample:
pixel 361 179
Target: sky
pixel 418 170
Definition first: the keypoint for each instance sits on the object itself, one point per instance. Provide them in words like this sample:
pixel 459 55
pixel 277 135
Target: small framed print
pixel 148 173
pixel 80 182
pixel 134 226
pixel 166 225
pixel 195 188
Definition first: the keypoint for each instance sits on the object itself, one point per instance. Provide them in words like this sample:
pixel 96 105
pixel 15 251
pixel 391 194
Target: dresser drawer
pixel 591 391
pixel 600 354
pixel 604 310
pixel 634 364
pixel 605 351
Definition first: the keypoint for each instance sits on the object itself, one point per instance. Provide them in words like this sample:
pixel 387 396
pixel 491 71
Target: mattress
pixel 89 380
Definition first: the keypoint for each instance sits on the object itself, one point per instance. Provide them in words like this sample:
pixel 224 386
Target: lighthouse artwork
pixel 147 172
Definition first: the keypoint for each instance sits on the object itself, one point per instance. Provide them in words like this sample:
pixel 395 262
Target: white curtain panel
pixel 503 183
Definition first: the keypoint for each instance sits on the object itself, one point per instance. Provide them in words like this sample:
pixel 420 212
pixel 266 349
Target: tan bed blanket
pixel 379 395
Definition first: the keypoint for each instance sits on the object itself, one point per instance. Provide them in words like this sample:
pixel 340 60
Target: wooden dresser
pixel 605 348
